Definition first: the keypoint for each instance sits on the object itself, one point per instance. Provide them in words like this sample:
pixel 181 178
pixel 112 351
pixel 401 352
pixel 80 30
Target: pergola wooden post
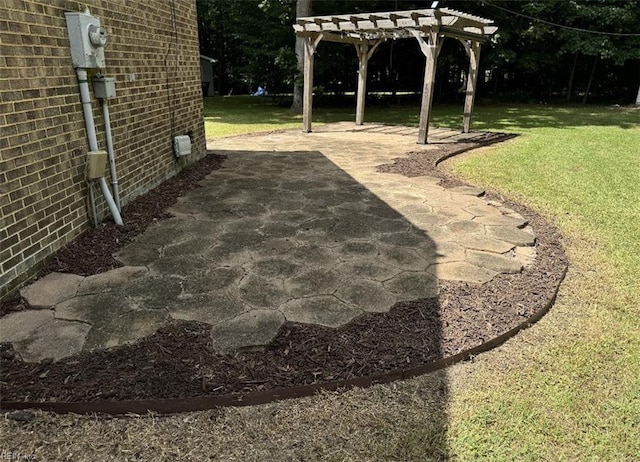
pixel 310 45
pixel 473 51
pixel 367 30
pixel 364 52
pixel 431 50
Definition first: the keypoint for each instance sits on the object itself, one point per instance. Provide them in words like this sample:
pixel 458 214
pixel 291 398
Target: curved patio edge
pixel 177 405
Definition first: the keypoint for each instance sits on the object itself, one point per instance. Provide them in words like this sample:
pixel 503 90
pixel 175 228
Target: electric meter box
pixel 87 40
pixel 104 87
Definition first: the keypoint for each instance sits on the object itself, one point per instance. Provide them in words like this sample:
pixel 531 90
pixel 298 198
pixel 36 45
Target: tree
pixel 544 49
pixel 252 41
pixel 570 46
pixel 303 8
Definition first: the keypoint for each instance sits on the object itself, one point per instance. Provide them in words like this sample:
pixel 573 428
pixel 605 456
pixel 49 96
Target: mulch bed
pixel 178 362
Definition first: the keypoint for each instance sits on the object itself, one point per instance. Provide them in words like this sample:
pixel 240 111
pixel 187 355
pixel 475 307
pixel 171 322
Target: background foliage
pixel 528 60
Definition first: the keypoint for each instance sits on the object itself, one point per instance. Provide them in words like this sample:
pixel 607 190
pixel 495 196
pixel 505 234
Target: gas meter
pixel 87 40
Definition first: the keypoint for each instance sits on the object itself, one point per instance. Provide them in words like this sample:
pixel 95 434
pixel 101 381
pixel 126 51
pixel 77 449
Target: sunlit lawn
pixel 225 116
pixel 576 395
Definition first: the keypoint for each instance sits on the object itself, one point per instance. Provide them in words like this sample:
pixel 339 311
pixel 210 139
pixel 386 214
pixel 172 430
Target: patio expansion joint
pixel 69 319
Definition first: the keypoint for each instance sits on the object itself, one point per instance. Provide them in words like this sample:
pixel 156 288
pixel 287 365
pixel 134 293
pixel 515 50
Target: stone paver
pixel 499 263
pixel 51 289
pixel 54 340
pixel 513 235
pixel 369 295
pixel 249 330
pixel 324 310
pixel 502 220
pixel 128 327
pixel 211 308
pixel 37 335
pixel 463 271
pixel 296 227
pixel 484 243
pixel 110 280
pixel 413 285
pixel 19 325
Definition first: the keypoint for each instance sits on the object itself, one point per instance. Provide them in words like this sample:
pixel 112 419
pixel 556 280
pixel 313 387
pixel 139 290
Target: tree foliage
pixel 252 40
pixel 530 59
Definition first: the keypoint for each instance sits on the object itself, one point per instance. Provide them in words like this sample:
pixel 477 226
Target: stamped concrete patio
pixel 294 227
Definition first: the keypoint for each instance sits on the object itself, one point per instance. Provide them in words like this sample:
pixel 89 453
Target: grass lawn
pixel 225 116
pixel 574 394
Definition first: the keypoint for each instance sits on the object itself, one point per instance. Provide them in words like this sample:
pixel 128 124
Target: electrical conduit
pixel 93 140
pixel 110 155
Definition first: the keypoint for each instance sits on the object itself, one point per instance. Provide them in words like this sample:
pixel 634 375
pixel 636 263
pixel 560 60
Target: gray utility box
pixel 96 164
pixel 87 40
pixel 182 145
pixel 104 87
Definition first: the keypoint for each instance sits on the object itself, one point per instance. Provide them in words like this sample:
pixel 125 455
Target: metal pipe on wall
pixel 93 139
pixel 85 98
pixel 110 153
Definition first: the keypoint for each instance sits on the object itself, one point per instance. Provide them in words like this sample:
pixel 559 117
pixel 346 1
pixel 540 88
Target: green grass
pixel 576 396
pixel 227 116
pixel 574 393
pixel 236 115
pixel 583 171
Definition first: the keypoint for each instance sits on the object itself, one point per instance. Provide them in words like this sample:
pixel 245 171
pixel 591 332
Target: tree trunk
pixel 221 65
pixel 571 76
pixel 496 76
pixel 638 97
pixel 303 8
pixel 593 71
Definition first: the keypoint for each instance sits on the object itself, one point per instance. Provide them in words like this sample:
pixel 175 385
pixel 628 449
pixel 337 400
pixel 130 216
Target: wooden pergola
pixel 366 31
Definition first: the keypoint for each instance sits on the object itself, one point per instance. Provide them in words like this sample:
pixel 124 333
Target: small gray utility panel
pixel 104 87
pixel 87 40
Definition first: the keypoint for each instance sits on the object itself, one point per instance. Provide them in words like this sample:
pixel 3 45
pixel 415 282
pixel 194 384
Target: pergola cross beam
pixel 368 30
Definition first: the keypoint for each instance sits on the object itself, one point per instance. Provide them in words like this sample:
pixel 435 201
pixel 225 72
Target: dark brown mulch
pixel 178 361
pixel 421 163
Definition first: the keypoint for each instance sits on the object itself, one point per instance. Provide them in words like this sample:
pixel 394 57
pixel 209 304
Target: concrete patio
pixel 295 227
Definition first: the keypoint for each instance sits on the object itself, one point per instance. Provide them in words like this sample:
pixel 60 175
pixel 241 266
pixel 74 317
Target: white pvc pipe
pixel 110 202
pixel 110 154
pixel 93 139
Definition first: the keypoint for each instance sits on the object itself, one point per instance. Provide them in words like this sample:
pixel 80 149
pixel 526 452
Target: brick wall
pixel 152 53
